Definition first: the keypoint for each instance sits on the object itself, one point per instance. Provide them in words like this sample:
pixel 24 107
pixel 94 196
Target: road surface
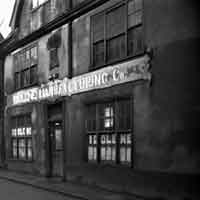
pixel 14 191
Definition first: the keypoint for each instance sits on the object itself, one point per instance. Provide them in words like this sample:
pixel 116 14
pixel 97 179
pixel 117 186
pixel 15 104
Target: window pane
pixel 20 121
pixel 22 143
pixel 41 1
pixel 138 5
pixel 26 77
pixel 98 52
pixel 34 56
pixel 122 139
pixel 54 58
pixel 35 3
pixel 113 153
pixel 33 75
pixel 58 135
pixel 30 154
pixel 98 27
pixel 94 139
pixel 92 153
pixel 135 42
pixel 14 152
pixel 29 148
pixel 128 154
pixel 14 143
pixel 113 138
pixel 109 153
pixel 116 48
pixel 122 154
pixel 131 7
pixel 90 139
pixel 27 58
pixel 28 120
pixel 103 139
pixel 23 60
pixel 134 19
pixel 134 6
pixel 115 22
pixel 17 80
pixel 129 139
pixel 22 149
pixel 14 132
pixel 103 153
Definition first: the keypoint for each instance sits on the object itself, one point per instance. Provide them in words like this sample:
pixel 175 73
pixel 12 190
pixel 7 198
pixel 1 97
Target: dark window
pixel 109 132
pixel 53 58
pixel 25 63
pixel 21 138
pixel 117 33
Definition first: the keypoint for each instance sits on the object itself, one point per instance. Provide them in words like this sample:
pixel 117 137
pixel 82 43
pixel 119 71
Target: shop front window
pixel 109 132
pixel 21 138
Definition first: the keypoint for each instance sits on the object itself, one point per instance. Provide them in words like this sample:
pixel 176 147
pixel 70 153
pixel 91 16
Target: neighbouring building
pixel 97 89
pixel 1 103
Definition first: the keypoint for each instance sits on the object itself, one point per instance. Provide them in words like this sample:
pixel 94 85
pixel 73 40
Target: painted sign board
pixel 134 70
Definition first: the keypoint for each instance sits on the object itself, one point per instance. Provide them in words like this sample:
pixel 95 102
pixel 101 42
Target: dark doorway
pixel 55 134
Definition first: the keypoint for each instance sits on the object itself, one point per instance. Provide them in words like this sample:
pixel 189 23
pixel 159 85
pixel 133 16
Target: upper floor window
pixel 36 3
pixel 25 64
pixel 53 55
pixel 117 33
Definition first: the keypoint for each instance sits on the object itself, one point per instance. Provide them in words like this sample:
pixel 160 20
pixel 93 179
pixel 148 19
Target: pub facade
pixel 96 90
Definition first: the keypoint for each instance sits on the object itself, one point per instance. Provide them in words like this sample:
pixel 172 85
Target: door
pixel 56 148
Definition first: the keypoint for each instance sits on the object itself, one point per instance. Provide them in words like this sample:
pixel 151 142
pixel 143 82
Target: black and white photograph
pixel 99 100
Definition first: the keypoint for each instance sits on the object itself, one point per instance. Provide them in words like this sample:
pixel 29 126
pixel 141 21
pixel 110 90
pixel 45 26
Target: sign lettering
pixel 130 71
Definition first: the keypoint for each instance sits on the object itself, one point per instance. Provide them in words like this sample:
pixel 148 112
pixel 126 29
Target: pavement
pixel 146 187
pixel 14 191
pixel 68 189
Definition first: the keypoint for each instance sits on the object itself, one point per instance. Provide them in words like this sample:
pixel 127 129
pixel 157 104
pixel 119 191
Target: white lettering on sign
pixel 137 69
pixel 21 131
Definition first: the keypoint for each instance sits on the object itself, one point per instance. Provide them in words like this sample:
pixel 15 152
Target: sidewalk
pixel 69 189
pixel 146 187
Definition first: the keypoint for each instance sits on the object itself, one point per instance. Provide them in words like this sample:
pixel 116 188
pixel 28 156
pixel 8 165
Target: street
pixel 14 191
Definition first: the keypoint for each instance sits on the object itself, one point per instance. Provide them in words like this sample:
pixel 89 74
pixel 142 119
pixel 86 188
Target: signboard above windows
pixel 134 70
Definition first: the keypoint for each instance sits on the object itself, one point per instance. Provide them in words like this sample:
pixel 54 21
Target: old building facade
pixel 101 88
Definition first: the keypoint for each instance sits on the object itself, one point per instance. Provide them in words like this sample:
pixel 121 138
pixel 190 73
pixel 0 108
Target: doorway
pixel 55 138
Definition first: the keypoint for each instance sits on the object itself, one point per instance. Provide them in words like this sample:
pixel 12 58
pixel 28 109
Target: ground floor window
pixel 109 132
pixel 21 138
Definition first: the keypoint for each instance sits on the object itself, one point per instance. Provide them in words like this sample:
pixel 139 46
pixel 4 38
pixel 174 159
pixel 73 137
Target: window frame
pixel 19 138
pixel 105 62
pixel 28 65
pixel 115 131
pixel 53 64
pixel 38 4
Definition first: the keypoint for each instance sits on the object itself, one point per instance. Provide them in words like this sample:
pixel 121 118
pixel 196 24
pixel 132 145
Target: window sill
pixel 109 164
pixel 20 160
pixel 26 87
pixel 117 61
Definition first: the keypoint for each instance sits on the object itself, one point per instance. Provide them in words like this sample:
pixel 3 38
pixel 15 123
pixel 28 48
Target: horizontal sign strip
pixel 134 70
